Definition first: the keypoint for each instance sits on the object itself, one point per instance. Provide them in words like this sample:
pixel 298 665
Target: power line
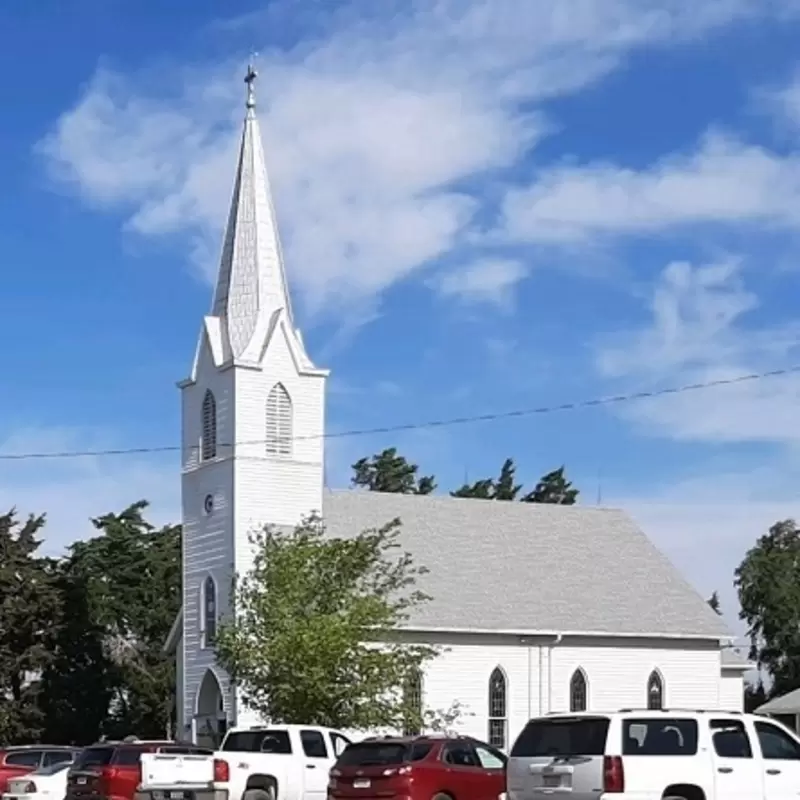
pixel 440 423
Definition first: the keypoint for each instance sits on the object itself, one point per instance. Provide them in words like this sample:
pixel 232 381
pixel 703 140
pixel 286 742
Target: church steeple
pixel 251 285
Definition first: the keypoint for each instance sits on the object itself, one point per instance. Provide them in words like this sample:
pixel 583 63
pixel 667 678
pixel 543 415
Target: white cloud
pixel 70 491
pixel 368 130
pixel 725 181
pixel 489 280
pixel 700 330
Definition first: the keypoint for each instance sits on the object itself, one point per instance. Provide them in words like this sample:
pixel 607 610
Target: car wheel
pixel 260 794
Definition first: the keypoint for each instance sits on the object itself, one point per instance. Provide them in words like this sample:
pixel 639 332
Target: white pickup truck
pixel 669 754
pixel 276 762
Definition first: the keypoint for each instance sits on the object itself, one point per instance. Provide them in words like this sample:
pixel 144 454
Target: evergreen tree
pixel 389 472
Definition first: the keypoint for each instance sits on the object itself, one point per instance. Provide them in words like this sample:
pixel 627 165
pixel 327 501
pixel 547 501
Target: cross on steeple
pixel 250 80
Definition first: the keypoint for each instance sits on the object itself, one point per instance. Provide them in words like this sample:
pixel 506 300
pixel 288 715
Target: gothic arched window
pixel 209 611
pixel 279 421
pixel 498 709
pixel 208 448
pixel 655 691
pixel 578 691
pixel 412 702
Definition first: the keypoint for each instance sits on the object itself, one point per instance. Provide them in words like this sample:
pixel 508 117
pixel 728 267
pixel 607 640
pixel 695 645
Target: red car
pixel 18 761
pixel 418 768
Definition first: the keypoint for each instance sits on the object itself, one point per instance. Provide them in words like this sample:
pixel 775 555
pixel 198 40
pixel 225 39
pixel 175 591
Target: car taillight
pixel 222 772
pixel 613 775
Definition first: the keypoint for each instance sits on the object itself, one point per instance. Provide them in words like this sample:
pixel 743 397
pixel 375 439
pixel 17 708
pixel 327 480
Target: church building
pixel 537 608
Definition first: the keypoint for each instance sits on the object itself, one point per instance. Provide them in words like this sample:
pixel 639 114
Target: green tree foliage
pixel 755 695
pixel 713 602
pixel 78 683
pixel 551 488
pixel 131 573
pixel 28 595
pixel 768 583
pixel 389 472
pixel 300 646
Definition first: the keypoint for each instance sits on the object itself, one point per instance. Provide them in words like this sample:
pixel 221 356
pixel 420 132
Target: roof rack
pixel 679 710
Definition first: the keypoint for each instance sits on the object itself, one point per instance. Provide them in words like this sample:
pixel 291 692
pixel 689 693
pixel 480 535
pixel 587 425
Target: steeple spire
pixel 251 284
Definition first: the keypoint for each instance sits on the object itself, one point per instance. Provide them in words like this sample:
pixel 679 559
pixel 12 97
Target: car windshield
pixel 365 754
pixel 94 757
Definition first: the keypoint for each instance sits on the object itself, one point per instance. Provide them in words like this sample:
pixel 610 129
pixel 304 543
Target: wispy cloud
pixel 372 128
pixel 700 329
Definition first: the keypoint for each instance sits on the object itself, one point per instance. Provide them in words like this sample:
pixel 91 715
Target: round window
pixel 208 503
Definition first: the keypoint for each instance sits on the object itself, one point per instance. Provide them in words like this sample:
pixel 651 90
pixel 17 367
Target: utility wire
pixel 440 423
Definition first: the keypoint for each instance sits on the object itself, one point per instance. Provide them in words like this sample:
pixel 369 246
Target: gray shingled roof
pixel 528 567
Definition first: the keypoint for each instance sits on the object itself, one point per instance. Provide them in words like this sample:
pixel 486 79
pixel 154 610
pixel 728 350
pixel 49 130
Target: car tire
pixel 442 796
pixel 260 794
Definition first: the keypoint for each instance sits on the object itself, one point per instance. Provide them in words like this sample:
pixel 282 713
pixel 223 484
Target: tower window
pixel 279 422
pixel 208 448
pixel 577 691
pixel 655 691
pixel 209 612
pixel 498 712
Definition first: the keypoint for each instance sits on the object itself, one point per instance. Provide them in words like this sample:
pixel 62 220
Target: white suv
pixel 650 755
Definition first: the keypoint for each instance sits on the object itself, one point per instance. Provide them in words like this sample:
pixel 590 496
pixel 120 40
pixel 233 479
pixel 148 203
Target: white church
pixel 537 608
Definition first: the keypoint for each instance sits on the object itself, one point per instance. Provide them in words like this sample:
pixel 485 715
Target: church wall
pixel 279 490
pixel 731 693
pixel 207 539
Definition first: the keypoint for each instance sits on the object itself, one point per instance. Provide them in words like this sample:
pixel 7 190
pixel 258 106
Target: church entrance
pixel 210 719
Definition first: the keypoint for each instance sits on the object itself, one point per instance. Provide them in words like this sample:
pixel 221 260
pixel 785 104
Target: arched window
pixel 279 421
pixel 412 702
pixel 498 709
pixel 209 618
pixel 655 691
pixel 578 691
pixel 208 447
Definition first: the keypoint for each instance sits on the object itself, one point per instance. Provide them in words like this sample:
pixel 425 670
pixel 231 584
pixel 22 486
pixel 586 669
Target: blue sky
pixel 485 206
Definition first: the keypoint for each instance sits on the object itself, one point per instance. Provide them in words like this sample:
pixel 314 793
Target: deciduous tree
pixel 303 645
pixel 768 583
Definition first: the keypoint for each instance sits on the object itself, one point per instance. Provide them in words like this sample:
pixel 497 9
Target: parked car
pixel 112 769
pixel 665 754
pixel 45 783
pixel 18 761
pixel 275 762
pixel 419 768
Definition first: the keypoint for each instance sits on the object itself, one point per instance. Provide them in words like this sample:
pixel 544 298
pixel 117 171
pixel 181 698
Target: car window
pixel 52 757
pixel 128 756
pixel 659 736
pixel 340 743
pixel 24 758
pixel 460 754
pixel 730 738
pixel 562 736
pixel 776 744
pixel 313 744
pixel 419 750
pixel 276 742
pixel 53 769
pixel 489 757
